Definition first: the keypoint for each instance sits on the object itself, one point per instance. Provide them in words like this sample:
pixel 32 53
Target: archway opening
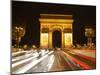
pixel 56 41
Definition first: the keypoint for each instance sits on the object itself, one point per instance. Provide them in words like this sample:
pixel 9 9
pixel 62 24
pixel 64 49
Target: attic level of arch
pixel 65 30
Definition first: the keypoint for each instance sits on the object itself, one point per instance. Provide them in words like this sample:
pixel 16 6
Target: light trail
pixel 32 64
pixel 47 61
pixel 90 53
pixel 23 61
pixel 19 58
pixel 68 63
pixel 50 63
pixel 71 63
pixel 82 64
pixel 84 56
pixel 16 53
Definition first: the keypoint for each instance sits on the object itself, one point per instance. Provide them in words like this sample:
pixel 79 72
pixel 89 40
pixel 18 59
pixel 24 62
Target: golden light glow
pixel 68 39
pixel 44 40
pixel 60 24
pixel 56 20
pixel 55 15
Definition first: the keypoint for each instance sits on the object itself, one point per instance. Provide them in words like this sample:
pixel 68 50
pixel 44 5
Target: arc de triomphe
pixel 50 23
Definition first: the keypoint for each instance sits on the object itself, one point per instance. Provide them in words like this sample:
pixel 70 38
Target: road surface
pixel 52 61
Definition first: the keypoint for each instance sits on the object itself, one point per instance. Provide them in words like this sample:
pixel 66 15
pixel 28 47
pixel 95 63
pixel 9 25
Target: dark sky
pixel 27 13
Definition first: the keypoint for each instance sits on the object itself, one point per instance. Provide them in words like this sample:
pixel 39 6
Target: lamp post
pixel 17 34
pixel 89 33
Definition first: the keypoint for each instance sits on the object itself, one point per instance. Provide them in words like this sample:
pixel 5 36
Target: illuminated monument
pixel 52 24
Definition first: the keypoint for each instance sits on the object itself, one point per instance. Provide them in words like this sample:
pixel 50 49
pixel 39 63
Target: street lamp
pixel 89 33
pixel 17 34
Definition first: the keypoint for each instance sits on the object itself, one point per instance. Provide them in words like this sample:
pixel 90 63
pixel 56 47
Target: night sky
pixel 27 14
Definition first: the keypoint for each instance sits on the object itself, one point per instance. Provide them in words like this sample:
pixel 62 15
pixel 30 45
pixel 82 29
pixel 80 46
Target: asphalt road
pixel 60 61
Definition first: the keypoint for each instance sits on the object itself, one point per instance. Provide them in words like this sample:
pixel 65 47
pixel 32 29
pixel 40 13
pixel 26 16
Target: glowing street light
pixel 89 33
pixel 17 34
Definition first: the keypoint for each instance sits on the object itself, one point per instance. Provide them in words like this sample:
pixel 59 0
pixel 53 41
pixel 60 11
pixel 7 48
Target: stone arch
pixel 56 38
pixel 56 27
